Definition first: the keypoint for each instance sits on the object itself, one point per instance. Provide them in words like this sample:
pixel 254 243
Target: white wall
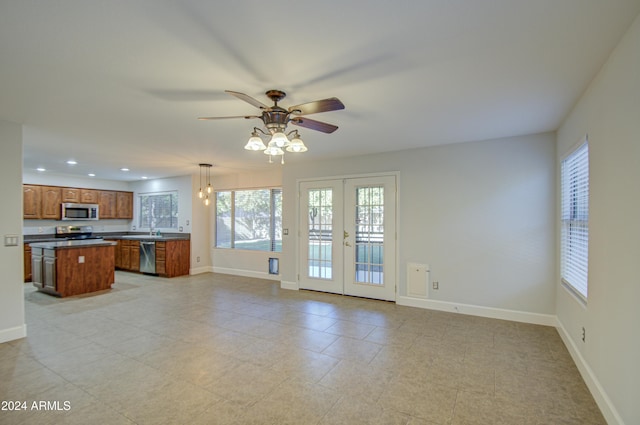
pixel 201 231
pixel 12 321
pixel 242 262
pixel 480 214
pixel 609 112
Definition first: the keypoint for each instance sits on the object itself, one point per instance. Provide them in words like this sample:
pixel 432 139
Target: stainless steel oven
pixel 80 211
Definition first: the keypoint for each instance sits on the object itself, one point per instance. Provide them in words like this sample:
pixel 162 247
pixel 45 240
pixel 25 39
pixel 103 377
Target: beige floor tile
pixel 226 349
pixel 353 349
pixel 355 411
pixel 294 402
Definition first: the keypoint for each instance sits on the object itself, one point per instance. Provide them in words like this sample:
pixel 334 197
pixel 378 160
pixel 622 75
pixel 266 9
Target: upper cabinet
pixel 107 203
pixel 32 201
pixel 88 196
pixel 124 205
pixel 70 194
pixel 51 200
pixel 44 202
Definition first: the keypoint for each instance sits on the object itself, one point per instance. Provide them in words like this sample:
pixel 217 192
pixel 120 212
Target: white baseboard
pixel 200 270
pixel 607 408
pixel 289 285
pixel 474 310
pixel 246 273
pixel 10 334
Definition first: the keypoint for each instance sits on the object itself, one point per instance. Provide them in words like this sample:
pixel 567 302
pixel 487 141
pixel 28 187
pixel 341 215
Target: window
pixel 574 244
pixel 159 210
pixel 249 219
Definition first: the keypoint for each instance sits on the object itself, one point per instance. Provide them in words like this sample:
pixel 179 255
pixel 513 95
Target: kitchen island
pixel 73 267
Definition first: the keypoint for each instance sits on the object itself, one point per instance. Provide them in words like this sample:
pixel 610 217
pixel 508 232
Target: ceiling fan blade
pixel 314 125
pixel 248 117
pixel 325 105
pixel 247 99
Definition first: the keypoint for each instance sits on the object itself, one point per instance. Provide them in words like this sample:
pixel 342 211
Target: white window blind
pixel 574 249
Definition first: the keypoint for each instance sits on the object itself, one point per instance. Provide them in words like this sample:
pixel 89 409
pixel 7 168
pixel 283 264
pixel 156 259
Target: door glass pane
pixel 320 233
pixel 369 227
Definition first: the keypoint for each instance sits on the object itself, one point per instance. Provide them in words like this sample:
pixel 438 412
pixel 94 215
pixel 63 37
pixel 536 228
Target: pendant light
pixel 208 189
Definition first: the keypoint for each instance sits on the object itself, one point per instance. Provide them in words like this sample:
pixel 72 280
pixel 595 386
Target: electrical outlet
pixel 435 284
pixel 197 259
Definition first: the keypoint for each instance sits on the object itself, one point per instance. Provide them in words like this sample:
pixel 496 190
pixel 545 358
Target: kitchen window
pixel 574 243
pixel 249 219
pixel 159 210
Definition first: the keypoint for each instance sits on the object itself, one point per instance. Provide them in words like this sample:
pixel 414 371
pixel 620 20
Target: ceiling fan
pixel 276 118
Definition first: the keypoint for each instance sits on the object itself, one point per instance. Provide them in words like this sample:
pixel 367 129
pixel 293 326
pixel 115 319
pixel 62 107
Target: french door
pixel 348 236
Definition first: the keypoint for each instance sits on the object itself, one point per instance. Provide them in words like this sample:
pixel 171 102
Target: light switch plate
pixel 11 240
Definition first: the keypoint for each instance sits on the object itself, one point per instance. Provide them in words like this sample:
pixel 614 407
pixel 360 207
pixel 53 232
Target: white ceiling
pixel 120 82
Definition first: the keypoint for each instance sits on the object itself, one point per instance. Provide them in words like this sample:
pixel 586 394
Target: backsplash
pixel 48 227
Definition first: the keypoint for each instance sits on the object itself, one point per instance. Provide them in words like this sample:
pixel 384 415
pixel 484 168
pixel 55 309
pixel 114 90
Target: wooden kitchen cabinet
pixel 117 252
pixel 107 203
pixel 31 201
pixel 51 202
pixel 72 270
pixel 161 258
pixel 27 262
pixel 71 194
pixel 127 255
pixel 88 196
pixel 173 258
pixel 134 254
pixel 44 202
pixel 124 205
pixel 41 202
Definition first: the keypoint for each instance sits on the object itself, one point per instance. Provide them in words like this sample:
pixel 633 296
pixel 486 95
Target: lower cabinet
pixel 27 262
pixel 127 255
pixel 72 271
pixel 173 258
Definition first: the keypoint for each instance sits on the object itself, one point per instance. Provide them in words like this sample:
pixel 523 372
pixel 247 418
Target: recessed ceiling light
pixel 72 162
pixel 91 175
pixel 41 169
pixel 144 177
pixel 124 169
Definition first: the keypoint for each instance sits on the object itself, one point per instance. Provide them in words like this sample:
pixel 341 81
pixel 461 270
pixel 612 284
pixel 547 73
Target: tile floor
pixel 218 349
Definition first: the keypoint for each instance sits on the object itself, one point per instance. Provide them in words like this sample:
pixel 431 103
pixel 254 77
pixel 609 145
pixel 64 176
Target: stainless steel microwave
pixel 80 211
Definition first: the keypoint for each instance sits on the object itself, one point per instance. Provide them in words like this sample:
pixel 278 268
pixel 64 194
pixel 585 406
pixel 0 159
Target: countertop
pixel 83 243
pixel 31 239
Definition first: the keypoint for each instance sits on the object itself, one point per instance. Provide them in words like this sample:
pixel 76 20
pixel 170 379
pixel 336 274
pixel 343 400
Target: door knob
pixel 347 244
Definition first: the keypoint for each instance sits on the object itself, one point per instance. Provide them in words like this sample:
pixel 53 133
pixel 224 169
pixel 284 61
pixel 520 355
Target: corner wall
pixel 609 112
pixel 12 319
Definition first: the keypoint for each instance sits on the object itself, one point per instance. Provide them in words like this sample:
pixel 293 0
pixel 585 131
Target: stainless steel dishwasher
pixel 148 257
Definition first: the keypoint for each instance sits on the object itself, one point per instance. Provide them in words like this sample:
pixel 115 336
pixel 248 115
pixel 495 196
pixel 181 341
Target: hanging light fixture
pixel 208 189
pixel 278 143
pixel 276 118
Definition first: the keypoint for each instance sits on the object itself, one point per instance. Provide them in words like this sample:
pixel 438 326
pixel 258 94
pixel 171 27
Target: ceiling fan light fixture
pixel 273 150
pixel 296 145
pixel 255 143
pixel 279 139
pixel 276 118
